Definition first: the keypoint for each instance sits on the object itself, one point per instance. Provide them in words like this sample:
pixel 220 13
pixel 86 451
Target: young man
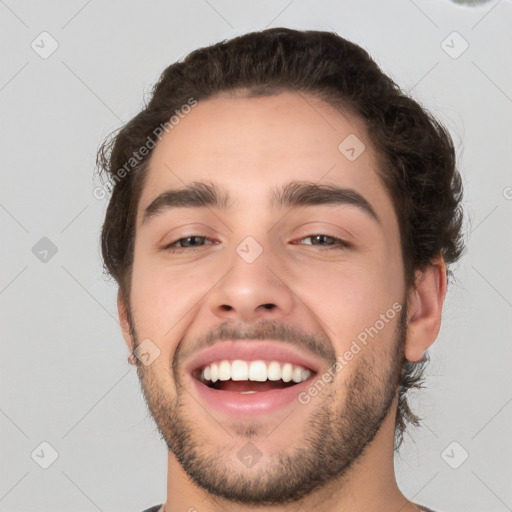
pixel 280 225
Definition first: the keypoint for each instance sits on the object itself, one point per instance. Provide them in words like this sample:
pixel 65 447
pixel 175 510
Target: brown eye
pixel 327 242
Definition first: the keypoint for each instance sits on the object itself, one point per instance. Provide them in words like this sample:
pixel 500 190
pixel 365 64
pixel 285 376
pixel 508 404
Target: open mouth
pixel 247 377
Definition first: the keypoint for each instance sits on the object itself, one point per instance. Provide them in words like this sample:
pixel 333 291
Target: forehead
pixel 250 145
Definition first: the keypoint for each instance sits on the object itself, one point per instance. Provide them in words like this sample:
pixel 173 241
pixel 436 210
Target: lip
pixel 240 405
pixel 249 405
pixel 252 351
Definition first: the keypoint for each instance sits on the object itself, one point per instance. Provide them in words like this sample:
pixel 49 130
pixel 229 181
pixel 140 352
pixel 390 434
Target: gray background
pixel 64 377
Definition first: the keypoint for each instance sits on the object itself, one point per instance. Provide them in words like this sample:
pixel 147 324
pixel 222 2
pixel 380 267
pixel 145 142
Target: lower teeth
pixel 246 392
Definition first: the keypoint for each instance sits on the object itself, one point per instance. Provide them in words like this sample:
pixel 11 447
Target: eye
pixel 188 242
pixel 326 242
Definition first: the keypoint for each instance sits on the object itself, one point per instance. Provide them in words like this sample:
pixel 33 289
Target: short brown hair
pixel 415 152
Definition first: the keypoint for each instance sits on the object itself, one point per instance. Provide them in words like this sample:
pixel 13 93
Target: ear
pixel 425 308
pixel 123 320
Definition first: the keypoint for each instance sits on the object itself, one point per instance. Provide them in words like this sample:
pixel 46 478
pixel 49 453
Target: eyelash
pixel 339 245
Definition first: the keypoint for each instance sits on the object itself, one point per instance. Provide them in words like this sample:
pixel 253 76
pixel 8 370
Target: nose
pixel 252 291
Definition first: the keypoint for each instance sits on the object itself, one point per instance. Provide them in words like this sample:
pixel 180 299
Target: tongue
pixel 246 385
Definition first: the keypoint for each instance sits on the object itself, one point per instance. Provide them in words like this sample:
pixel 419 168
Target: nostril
pixel 268 306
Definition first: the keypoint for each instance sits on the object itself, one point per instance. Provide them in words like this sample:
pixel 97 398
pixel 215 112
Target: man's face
pixel 269 281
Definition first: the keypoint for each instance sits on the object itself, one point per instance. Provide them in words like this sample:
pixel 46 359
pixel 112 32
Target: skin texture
pixel 335 452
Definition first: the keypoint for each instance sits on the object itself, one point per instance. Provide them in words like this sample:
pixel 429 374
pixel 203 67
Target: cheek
pixel 164 298
pixel 356 301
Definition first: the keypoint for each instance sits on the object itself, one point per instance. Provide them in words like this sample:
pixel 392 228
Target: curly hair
pixel 415 152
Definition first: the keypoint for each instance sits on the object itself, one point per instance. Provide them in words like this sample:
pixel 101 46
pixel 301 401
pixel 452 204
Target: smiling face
pixel 257 238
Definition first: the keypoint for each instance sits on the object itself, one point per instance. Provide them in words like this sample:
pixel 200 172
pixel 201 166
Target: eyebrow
pixel 293 194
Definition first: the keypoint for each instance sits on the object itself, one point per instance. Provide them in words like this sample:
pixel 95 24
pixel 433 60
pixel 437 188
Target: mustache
pixel 267 330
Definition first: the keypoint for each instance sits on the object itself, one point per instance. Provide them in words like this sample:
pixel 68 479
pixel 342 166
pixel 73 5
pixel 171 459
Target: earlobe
pixel 425 309
pixel 123 320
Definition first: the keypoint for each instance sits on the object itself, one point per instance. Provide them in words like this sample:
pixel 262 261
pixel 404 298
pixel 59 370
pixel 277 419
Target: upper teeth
pixel 254 370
